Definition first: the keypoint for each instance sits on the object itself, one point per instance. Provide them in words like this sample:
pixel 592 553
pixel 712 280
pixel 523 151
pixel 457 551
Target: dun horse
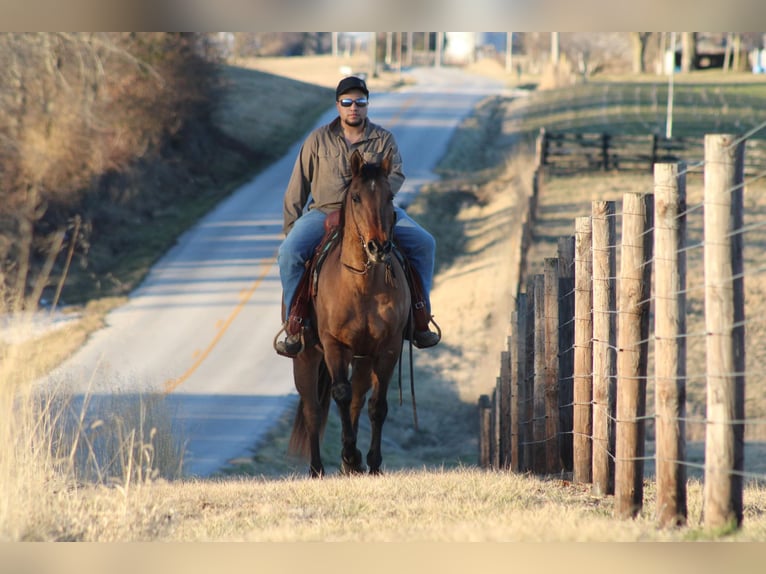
pixel 360 312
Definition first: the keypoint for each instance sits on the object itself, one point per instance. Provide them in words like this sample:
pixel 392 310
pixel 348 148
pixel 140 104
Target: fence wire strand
pixel 692 248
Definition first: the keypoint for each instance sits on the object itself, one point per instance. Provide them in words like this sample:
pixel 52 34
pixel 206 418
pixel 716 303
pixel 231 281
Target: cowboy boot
pixel 423 337
pixel 290 346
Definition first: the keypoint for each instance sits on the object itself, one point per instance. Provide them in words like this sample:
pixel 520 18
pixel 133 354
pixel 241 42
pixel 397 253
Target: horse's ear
pixel 387 164
pixel 357 161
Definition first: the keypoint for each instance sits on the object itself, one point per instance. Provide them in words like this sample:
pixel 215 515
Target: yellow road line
pixel 405 106
pixel 173 384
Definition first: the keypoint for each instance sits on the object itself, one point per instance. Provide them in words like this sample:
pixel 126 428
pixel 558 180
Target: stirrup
pixel 281 346
pixel 431 344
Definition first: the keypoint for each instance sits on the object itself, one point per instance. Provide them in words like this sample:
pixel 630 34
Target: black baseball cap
pixel 351 83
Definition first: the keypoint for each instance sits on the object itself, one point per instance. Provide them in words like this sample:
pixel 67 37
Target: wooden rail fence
pixel 571 394
pixel 564 153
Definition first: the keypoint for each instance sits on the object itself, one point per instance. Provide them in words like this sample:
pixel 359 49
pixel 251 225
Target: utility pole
pixel 669 121
pixel 555 48
pixel 508 52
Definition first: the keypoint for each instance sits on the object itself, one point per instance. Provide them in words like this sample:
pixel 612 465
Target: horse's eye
pixel 356 198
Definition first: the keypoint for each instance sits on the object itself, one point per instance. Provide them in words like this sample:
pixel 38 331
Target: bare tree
pixel 76 107
pixel 688 51
pixel 638 42
pixel 592 53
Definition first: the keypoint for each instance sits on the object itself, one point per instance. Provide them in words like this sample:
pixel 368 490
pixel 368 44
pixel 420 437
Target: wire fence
pixel 628 354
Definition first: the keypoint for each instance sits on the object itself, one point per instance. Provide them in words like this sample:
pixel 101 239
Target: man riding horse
pixel 319 180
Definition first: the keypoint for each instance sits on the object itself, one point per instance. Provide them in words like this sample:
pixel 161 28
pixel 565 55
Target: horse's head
pixel 369 206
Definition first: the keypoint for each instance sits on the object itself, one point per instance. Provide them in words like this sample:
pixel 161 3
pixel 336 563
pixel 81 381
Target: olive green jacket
pixel 323 169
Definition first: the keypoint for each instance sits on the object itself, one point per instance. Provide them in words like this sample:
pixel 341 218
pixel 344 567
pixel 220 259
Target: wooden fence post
pixel 529 379
pixel 538 424
pixel 504 414
pixel 605 151
pixel 566 254
pixel 551 360
pixel 495 427
pixel 525 391
pixel 670 344
pixel 632 352
pixel 535 201
pixel 517 388
pixel 724 324
pixel 604 344
pixel 583 352
pixel 655 144
pixel 485 424
pixel 541 148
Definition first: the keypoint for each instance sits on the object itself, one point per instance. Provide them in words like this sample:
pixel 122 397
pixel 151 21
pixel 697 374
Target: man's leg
pixel 296 249
pixel 420 248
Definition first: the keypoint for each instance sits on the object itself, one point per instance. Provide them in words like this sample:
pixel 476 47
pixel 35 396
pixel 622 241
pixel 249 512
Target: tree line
pixel 85 117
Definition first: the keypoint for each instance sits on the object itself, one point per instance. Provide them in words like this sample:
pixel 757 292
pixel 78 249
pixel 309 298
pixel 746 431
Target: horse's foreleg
pixel 338 361
pixel 377 409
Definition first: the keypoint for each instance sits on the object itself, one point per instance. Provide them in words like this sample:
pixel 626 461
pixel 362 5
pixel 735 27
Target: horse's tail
pixel 300 443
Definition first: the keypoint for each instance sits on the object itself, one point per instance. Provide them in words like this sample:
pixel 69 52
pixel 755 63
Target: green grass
pixel 640 107
pixel 266 112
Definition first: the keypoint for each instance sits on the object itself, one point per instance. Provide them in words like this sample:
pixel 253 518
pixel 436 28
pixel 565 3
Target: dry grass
pixel 458 505
pixel 445 501
pixel 55 459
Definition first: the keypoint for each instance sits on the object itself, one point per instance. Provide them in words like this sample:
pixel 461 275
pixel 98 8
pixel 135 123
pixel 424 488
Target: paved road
pixel 199 330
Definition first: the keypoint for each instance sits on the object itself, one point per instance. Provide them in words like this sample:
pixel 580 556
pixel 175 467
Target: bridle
pixel 368 263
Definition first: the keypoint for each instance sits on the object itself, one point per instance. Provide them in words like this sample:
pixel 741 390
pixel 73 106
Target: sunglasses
pixel 360 102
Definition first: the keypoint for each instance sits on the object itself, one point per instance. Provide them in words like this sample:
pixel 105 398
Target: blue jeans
pixel 418 245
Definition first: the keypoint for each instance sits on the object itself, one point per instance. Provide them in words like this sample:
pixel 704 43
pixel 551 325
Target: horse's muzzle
pixel 377 252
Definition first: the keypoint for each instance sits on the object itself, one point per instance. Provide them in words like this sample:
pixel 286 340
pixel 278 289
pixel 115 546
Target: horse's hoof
pixel 349 469
pixel 316 472
pixel 353 465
